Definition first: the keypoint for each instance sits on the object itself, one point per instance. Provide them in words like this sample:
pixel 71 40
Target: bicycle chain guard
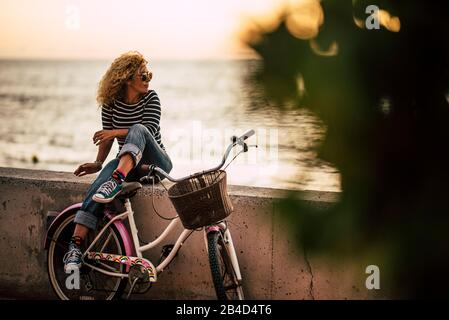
pixel 126 260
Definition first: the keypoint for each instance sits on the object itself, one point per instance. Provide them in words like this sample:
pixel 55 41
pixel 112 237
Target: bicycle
pixel 113 257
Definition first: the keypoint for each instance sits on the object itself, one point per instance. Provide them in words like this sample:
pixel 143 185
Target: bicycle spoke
pixel 106 242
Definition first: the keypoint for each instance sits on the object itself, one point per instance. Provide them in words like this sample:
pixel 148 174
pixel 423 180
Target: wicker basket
pixel 202 199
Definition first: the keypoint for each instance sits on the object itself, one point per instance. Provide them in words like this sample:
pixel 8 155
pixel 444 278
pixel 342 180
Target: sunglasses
pixel 146 76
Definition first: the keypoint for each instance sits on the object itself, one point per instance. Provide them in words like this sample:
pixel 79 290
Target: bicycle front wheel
pixel 227 286
pixel 92 284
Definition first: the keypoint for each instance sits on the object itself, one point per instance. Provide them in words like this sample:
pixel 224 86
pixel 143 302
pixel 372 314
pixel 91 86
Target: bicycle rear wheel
pixel 227 286
pixel 93 285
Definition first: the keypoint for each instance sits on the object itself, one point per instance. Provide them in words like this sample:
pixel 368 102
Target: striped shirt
pixel 122 116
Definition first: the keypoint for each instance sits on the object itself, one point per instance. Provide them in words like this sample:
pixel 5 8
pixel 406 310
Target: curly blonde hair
pixel 113 84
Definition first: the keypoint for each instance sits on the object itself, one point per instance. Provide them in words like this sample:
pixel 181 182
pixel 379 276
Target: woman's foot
pixel 110 189
pixel 73 259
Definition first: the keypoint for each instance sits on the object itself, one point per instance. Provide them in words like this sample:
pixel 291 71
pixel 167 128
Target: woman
pixel 131 113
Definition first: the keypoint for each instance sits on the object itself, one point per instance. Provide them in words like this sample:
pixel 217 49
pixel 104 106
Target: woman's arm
pixel 152 113
pixel 92 167
pixel 104 139
pixel 103 136
pixel 121 132
pixel 103 151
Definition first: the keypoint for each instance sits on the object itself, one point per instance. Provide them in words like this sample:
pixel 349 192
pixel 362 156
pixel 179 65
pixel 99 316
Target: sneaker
pixel 108 191
pixel 73 258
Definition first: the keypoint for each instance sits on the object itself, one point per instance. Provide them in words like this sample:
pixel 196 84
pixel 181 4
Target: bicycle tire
pixel 57 276
pixel 227 286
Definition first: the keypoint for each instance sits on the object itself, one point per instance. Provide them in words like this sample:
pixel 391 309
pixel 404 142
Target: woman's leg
pixel 140 147
pixel 86 218
pixel 153 154
pixel 90 210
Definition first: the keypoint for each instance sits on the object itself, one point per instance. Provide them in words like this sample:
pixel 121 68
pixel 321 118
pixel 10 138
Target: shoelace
pixel 72 253
pixel 108 186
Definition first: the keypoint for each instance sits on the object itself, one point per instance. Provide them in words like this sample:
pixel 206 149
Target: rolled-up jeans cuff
pixel 86 219
pixel 133 150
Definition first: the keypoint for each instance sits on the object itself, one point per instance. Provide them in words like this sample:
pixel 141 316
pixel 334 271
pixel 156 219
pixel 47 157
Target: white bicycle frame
pixel 129 213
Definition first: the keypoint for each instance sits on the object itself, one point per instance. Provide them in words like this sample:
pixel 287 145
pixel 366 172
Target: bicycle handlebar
pixel 247 134
pixel 149 169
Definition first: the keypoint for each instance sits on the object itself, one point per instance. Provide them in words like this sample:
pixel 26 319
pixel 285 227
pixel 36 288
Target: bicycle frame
pixel 138 249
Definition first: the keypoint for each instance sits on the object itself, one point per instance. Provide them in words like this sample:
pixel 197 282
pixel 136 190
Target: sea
pixel 49 114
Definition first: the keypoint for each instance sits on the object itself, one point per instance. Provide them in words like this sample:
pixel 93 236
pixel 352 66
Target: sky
pixel 101 29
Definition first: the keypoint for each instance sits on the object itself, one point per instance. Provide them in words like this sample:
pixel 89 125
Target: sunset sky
pixel 83 29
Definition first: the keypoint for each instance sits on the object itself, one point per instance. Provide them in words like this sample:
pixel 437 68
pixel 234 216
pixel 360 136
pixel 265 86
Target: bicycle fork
pixel 222 227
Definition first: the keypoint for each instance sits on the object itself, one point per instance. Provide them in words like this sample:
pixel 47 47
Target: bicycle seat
pixel 129 190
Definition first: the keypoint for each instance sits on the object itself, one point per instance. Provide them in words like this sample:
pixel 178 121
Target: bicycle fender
pixel 129 249
pixel 57 221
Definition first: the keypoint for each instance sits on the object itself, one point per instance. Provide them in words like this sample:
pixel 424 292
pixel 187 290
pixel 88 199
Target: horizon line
pixel 12 58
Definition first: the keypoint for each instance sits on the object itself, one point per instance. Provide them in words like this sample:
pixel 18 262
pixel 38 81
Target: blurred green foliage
pixel 383 99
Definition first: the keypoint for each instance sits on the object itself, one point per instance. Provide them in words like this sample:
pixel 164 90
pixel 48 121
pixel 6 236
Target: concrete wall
pixel 272 265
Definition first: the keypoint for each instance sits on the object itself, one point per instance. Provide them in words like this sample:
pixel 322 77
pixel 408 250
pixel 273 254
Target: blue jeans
pixel 144 149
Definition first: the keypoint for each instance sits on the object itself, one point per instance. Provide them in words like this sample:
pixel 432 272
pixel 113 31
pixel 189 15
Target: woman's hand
pixel 103 136
pixel 87 168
